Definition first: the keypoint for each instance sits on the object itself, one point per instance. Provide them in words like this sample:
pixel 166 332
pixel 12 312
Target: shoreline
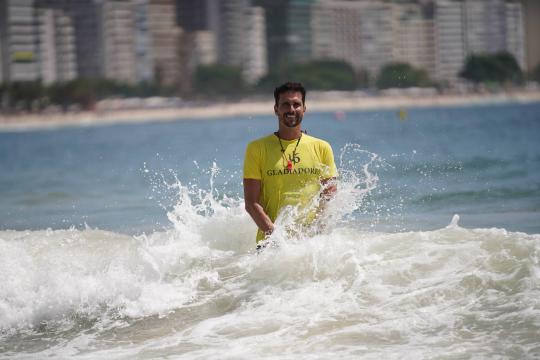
pixel 317 102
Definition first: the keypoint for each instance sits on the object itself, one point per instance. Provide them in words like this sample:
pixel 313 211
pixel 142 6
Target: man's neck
pixel 289 133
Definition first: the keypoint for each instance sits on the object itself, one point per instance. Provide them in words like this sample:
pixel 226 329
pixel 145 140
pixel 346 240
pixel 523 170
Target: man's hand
pixel 329 188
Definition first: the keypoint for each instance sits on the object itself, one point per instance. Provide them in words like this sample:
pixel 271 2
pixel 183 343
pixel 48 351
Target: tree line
pixel 82 93
pixel 220 81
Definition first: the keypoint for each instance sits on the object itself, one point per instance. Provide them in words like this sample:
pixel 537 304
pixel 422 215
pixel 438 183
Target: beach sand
pixel 316 102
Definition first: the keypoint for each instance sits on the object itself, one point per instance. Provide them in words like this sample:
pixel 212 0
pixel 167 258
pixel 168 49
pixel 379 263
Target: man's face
pixel 290 109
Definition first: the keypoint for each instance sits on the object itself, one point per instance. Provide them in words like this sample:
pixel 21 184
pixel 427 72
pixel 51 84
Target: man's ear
pixel 275 109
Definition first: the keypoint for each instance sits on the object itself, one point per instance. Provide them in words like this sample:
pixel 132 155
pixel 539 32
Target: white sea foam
pixel 199 290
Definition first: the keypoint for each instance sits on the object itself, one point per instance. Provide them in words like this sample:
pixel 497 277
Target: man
pixel 288 167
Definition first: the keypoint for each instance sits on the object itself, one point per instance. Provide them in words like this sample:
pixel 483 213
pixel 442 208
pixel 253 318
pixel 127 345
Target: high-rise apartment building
pixel 165 39
pixel 118 28
pixel 231 34
pixel 200 15
pixel 203 48
pixel 200 22
pixel 514 24
pixel 483 23
pixel 359 33
pixel 494 25
pixel 46 45
pixel 87 17
pixel 239 35
pixel 56 45
pixel 255 63
pixel 470 27
pixel 413 36
pixel 144 40
pixel 1 62
pixel 531 14
pixel 144 57
pixel 57 42
pixel 299 35
pixel 19 40
pixel 277 14
pixel 450 49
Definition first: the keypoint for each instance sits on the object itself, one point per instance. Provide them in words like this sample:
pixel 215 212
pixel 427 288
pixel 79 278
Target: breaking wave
pixel 200 290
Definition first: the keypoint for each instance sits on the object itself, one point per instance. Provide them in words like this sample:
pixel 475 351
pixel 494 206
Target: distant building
pixel 483 23
pixel 200 22
pixel 118 28
pixel 255 63
pixel 359 33
pixel 203 49
pixel 1 63
pixel 278 17
pixel 299 34
pixel 56 40
pixel 165 39
pixel 111 38
pixel 514 24
pixel 531 13
pixel 413 36
pixel 66 56
pixel 231 35
pixel 463 28
pixel 19 41
pixel 229 32
pixel 450 49
pixel 56 46
pixel 200 15
pixel 87 16
pixel 494 25
pixel 144 57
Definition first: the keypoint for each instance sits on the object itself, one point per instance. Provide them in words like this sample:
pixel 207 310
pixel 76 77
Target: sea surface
pixel 131 241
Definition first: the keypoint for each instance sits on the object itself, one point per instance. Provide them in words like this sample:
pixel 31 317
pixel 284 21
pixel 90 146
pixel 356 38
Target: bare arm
pixel 252 191
pixel 327 193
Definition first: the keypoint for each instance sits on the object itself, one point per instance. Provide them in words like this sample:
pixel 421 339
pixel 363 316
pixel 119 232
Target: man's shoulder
pixel 260 141
pixel 315 140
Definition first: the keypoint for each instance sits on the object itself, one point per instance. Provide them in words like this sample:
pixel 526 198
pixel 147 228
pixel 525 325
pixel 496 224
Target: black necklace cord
pixel 288 162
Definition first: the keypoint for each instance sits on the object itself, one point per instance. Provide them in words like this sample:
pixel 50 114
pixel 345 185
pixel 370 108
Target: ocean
pixel 131 241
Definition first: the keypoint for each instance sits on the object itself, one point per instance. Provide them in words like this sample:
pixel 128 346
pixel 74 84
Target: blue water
pixel 481 162
pixel 131 242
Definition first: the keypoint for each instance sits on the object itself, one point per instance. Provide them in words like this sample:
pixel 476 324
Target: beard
pixel 291 121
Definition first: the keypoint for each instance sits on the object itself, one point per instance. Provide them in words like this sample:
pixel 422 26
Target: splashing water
pixel 199 290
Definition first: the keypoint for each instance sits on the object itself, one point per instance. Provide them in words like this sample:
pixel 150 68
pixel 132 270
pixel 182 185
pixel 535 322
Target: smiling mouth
pixel 291 120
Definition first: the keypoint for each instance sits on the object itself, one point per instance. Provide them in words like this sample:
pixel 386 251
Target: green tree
pixel 218 80
pixel 401 75
pixel 32 95
pixel 535 74
pixel 4 94
pixel 326 75
pixel 510 67
pixel 496 68
pixel 59 95
pixel 85 91
pixel 26 94
pixel 315 75
pixel 480 68
pixel 82 91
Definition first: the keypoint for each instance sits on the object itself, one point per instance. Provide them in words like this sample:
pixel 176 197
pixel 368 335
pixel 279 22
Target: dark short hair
pixel 290 86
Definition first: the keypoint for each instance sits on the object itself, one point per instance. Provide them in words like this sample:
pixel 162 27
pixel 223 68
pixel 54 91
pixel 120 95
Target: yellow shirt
pixel 264 160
